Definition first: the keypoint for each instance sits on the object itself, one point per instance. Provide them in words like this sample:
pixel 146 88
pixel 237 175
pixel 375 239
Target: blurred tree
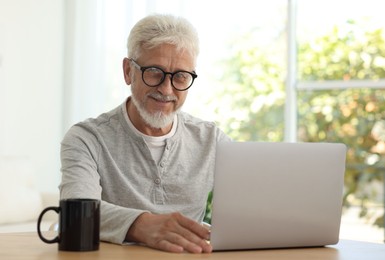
pixel 352 116
pixel 250 104
pixel 252 96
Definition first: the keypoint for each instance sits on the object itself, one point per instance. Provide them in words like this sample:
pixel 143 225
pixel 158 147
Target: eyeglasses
pixel 153 76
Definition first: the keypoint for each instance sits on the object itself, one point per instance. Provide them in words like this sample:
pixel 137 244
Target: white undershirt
pixel 156 144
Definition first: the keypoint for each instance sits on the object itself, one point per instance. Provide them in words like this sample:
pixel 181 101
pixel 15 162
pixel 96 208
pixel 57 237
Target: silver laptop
pixel 277 195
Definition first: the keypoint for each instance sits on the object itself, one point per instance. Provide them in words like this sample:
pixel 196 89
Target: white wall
pixel 31 76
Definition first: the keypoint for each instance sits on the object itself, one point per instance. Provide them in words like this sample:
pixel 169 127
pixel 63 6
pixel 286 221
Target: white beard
pixel 158 119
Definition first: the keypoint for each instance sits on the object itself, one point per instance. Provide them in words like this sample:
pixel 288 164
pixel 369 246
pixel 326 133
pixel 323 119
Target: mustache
pixel 163 98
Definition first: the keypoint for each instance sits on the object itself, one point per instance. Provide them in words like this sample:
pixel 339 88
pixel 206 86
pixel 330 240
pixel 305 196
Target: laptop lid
pixel 277 195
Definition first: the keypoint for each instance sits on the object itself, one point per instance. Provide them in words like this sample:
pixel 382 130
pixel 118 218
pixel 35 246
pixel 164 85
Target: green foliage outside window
pixel 250 105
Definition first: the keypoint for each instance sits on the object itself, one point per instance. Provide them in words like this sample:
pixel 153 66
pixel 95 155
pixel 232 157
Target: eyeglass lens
pixel 153 77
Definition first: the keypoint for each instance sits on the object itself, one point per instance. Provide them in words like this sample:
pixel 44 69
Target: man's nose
pixel 166 87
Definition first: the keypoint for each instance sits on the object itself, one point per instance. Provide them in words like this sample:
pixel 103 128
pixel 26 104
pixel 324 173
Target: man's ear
pixel 126 71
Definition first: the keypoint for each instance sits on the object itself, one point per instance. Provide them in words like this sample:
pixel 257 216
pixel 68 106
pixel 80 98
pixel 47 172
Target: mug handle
pixel 49 241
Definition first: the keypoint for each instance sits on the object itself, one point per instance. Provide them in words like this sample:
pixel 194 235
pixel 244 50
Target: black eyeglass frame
pixel 193 75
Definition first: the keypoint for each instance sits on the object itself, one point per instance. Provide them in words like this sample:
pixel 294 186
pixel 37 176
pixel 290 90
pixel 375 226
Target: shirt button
pixel 157 181
pixel 162 164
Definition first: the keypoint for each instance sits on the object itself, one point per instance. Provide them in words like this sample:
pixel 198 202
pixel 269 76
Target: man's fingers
pixel 194 233
pixel 176 240
pixel 193 243
pixel 169 247
pixel 193 226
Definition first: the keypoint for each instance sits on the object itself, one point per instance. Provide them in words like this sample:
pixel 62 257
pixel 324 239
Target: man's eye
pixel 182 76
pixel 154 71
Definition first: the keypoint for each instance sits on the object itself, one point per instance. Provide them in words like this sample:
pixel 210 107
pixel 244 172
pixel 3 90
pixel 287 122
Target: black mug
pixel 79 225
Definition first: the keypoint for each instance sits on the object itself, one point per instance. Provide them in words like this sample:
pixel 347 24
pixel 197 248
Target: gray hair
pixel 157 29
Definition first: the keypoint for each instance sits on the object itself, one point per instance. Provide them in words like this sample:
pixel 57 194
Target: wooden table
pixel 29 246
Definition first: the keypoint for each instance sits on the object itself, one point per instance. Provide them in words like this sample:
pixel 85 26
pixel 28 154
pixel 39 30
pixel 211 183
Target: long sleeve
pixel 80 179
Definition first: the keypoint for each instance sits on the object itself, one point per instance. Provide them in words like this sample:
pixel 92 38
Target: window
pixel 340 97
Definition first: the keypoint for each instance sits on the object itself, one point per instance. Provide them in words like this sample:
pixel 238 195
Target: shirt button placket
pixel 162 164
pixel 158 191
pixel 157 181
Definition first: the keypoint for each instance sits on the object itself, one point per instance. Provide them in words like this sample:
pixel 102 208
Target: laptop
pixel 277 195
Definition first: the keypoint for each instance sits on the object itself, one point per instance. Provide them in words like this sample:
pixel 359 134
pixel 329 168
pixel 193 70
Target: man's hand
pixel 170 232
